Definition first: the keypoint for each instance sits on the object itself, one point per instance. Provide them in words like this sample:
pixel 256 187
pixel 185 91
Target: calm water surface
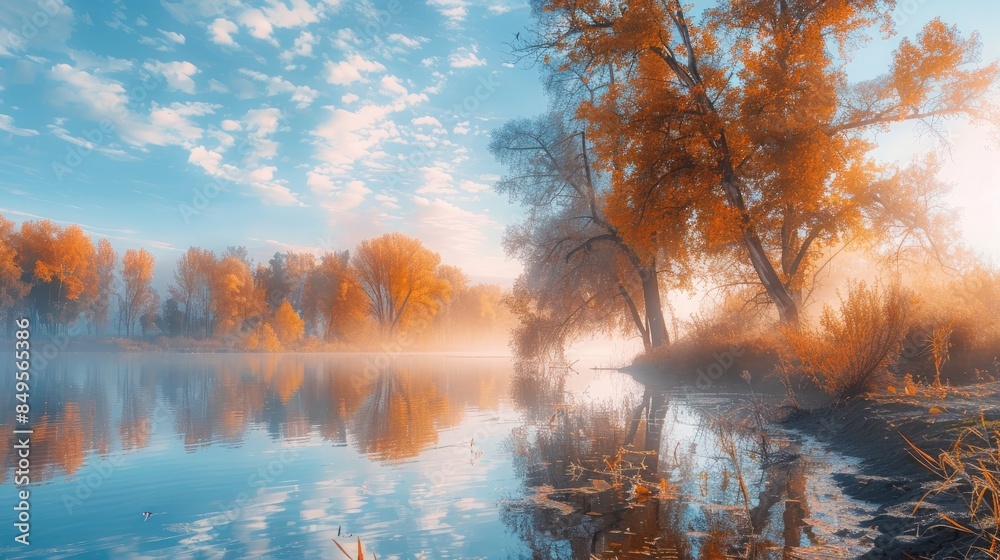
pixel 275 456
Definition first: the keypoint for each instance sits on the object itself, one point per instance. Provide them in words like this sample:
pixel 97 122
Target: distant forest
pixel 390 288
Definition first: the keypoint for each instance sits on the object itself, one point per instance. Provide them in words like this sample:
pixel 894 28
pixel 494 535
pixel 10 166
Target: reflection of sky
pixel 270 496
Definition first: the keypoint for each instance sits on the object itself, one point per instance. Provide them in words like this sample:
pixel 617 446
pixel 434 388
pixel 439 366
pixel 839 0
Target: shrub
pixel 850 353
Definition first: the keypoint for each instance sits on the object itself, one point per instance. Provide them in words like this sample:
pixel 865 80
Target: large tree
pixel 138 297
pixel 105 263
pixel 400 277
pixel 235 299
pixel 581 271
pixel 58 264
pixel 750 115
pixel 333 302
pixel 192 288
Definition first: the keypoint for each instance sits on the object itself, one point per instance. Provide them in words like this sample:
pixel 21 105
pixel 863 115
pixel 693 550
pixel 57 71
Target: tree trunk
pixel 654 309
pixel 636 318
pixel 788 311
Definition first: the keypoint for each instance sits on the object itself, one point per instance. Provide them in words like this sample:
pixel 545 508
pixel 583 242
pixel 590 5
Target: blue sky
pixel 311 124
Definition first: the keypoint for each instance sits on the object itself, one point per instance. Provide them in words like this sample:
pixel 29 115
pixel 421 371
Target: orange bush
pixel 850 353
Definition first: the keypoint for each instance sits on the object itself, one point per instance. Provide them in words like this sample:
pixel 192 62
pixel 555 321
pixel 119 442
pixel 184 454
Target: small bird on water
pixel 147 514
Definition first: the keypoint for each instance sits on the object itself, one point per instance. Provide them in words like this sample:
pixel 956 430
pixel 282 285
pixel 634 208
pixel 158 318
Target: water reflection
pixel 267 455
pixel 421 456
pixel 393 411
pixel 659 473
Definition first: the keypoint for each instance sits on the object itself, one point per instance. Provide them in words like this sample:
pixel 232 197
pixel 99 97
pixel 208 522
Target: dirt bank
pixel 873 429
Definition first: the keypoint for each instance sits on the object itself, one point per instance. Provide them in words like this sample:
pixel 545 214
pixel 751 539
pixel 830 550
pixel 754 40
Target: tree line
pixel 391 286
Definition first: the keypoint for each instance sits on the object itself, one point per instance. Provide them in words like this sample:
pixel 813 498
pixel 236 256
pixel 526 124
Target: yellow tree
pixel 12 288
pixel 59 265
pixel 287 325
pixel 137 297
pixel 234 297
pixel 105 262
pixel 333 302
pixel 750 116
pixel 400 277
pixel 192 288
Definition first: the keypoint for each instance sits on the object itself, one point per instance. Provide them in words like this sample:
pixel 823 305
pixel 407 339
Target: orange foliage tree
pixel 333 301
pixel 234 298
pixel 59 265
pixel 138 296
pixel 749 115
pixel 400 277
pixel 287 325
pixel 12 287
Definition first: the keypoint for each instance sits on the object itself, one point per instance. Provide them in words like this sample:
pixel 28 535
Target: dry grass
pixel 971 468
pixel 361 553
pixel 850 353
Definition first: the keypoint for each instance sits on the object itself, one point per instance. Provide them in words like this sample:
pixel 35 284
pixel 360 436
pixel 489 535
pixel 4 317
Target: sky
pixel 314 124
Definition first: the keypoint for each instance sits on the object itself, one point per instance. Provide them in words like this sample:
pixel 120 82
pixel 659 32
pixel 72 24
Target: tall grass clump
pixel 971 468
pixel 851 351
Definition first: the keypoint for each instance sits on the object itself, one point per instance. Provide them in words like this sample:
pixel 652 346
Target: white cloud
pixel 222 31
pixel 340 198
pixel 300 13
pixel 98 64
pixel 231 125
pixel 392 86
pixel 173 36
pixel 426 120
pixel 15 16
pixel 263 122
pixel 407 42
pixel 466 57
pixel 110 151
pixel 216 86
pixel 472 186
pixel 260 180
pixel 349 71
pixel 257 23
pixel 7 125
pixel 346 39
pixel 460 235
pixel 349 98
pixel 454 10
pixel 100 97
pixel 176 120
pixel 387 201
pixel 436 181
pixel 303 96
pixel 350 136
pixel 178 74
pixel 208 160
pixel 304 44
pixel 461 128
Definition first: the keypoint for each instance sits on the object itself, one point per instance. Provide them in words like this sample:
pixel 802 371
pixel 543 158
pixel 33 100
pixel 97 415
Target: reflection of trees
pixel 392 414
pixel 398 417
pixel 133 428
pixel 582 500
pixel 570 458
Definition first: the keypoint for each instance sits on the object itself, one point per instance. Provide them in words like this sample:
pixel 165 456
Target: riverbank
pixel 873 429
